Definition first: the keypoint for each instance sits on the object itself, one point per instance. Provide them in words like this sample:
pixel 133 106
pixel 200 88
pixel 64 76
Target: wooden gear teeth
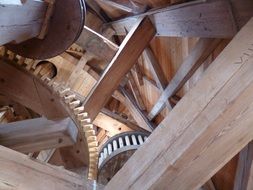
pixel 69 100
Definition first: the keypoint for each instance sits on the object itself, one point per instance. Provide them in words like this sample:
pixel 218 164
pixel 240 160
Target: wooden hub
pixel 65 27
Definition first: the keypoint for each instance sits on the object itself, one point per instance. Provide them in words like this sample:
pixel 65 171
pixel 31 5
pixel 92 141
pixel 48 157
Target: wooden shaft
pixel 21 20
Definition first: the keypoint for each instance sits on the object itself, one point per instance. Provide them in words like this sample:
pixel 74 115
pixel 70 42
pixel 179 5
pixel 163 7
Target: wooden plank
pixel 125 58
pixel 38 134
pixel 18 171
pixel 243 171
pixel 211 19
pixel 207 128
pixel 198 55
pixel 21 26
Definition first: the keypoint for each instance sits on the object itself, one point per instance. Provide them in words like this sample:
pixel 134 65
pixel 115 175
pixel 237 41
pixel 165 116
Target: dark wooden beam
pixel 206 129
pixel 38 134
pixel 127 55
pixel 197 56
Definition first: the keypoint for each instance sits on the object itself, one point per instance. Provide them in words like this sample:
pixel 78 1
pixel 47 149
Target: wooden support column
pixel 198 55
pixel 16 24
pixel 207 128
pixel 127 55
pixel 18 171
pixel 38 134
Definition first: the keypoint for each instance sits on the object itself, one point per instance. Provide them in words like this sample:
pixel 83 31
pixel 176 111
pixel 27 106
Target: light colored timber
pixel 21 26
pixel 207 128
pixel 197 56
pixel 38 134
pixel 207 19
pixel 19 172
pixel 127 55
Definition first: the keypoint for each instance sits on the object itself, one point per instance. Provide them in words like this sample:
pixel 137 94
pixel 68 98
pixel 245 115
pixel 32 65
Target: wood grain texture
pixel 199 54
pixel 208 127
pixel 21 26
pixel 210 19
pixel 18 171
pixel 38 134
pixel 125 58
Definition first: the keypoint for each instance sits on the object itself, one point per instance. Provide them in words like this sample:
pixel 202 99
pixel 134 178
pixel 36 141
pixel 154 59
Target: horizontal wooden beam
pixel 18 171
pixel 130 49
pixel 207 128
pixel 206 19
pixel 38 134
pixel 197 56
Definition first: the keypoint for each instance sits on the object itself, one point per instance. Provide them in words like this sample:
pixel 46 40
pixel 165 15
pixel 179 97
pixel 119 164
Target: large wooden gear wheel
pixel 69 101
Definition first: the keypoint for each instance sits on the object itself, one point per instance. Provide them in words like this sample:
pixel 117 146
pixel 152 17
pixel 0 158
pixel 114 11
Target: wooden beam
pixel 129 51
pixel 18 171
pixel 128 123
pixel 38 134
pixel 109 124
pixel 243 171
pixel 207 19
pixel 21 26
pixel 135 91
pixel 207 128
pixel 138 115
pixel 198 55
pixel 97 44
pixel 157 72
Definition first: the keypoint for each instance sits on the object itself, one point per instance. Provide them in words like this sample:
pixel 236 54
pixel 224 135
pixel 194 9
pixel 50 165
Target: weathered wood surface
pixel 212 19
pixel 19 172
pixel 21 22
pixel 208 127
pixel 38 134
